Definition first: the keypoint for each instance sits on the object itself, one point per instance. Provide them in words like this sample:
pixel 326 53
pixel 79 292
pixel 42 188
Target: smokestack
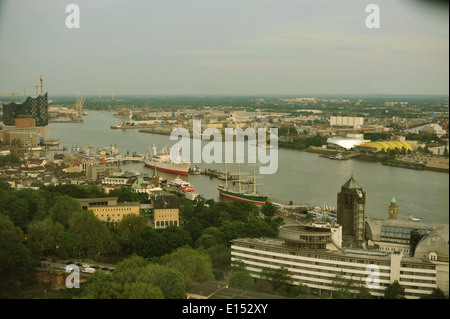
pixel 42 89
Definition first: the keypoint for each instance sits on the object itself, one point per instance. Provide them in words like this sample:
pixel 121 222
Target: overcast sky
pixel 255 47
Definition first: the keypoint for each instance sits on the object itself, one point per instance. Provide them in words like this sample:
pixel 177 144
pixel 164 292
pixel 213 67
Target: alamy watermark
pixel 73 279
pixel 373 279
pixel 258 150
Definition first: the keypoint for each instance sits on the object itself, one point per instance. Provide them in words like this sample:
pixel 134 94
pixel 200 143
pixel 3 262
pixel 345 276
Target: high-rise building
pixel 33 107
pixel 26 123
pixel 351 202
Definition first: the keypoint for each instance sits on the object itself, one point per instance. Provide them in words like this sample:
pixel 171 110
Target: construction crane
pixel 10 94
pixel 90 150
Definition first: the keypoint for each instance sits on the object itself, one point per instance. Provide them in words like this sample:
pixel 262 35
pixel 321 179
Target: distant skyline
pixel 213 47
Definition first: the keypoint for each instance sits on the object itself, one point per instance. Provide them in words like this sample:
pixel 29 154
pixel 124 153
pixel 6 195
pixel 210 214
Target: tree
pixel 141 290
pixel 90 234
pixel 175 237
pixel 436 293
pixel 128 228
pixel 172 284
pixel 44 233
pixel 63 208
pixel 394 291
pixel 277 277
pixel 101 286
pixel 16 261
pixel 195 266
pixel 149 243
pixel 66 245
pixel 240 278
pixel 16 209
pixel 269 210
pixel 194 228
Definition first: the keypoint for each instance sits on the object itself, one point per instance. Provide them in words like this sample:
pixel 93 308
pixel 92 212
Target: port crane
pixel 13 94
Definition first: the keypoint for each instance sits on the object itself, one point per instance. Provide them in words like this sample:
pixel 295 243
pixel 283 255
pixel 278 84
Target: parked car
pixel 89 270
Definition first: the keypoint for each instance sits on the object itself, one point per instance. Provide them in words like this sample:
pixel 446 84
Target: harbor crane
pixel 10 94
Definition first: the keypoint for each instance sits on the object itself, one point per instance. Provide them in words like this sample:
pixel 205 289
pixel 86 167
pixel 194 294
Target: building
pixel 107 209
pixel 372 252
pixel 100 171
pixel 26 123
pixel 351 202
pixel 344 143
pixel 166 211
pixel 319 268
pixel 349 121
pixel 418 240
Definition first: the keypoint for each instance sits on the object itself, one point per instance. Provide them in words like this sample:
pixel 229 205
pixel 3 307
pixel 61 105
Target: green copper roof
pixel 393 200
pixel 351 184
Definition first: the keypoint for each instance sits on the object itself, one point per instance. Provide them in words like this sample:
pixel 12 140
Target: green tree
pixel 66 245
pixel 141 290
pixel 269 210
pixel 17 269
pixel 195 266
pixel 90 234
pixel 63 208
pixel 194 228
pixel 240 278
pixel 128 228
pixel 101 286
pixel 436 293
pixel 175 237
pixel 16 209
pixel 394 291
pixel 44 233
pixel 149 243
pixel 172 284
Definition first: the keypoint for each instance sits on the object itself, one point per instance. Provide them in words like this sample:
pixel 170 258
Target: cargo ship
pixel 248 195
pixel 163 162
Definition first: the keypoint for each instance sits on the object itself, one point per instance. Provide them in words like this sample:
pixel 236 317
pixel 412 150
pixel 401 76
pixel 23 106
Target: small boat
pixel 414 219
pixel 181 185
pixel 336 157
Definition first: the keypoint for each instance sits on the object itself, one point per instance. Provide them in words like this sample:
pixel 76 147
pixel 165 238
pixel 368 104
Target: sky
pixel 224 47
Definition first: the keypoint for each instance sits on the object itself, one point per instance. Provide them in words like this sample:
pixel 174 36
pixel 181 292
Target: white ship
pixel 164 162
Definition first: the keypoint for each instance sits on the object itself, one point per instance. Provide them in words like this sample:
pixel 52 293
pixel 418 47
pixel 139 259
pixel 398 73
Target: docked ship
pixel 180 185
pixel 164 162
pixel 249 194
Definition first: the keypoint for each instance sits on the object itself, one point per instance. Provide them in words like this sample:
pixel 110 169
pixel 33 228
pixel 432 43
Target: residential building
pixel 166 211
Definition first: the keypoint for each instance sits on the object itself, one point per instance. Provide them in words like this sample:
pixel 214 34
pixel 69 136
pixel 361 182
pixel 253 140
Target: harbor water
pixel 301 177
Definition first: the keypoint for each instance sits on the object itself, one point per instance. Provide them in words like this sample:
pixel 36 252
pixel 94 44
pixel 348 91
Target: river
pixel 301 177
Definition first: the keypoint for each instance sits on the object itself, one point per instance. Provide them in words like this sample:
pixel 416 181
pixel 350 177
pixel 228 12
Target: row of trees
pixel 137 278
pixel 303 142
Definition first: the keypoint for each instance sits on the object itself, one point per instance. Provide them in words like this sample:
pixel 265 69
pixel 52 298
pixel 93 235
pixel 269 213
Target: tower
pixel 393 209
pixel 351 202
pixel 155 177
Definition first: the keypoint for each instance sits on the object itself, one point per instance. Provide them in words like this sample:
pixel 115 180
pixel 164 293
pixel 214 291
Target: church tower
pixel 393 209
pixel 351 203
